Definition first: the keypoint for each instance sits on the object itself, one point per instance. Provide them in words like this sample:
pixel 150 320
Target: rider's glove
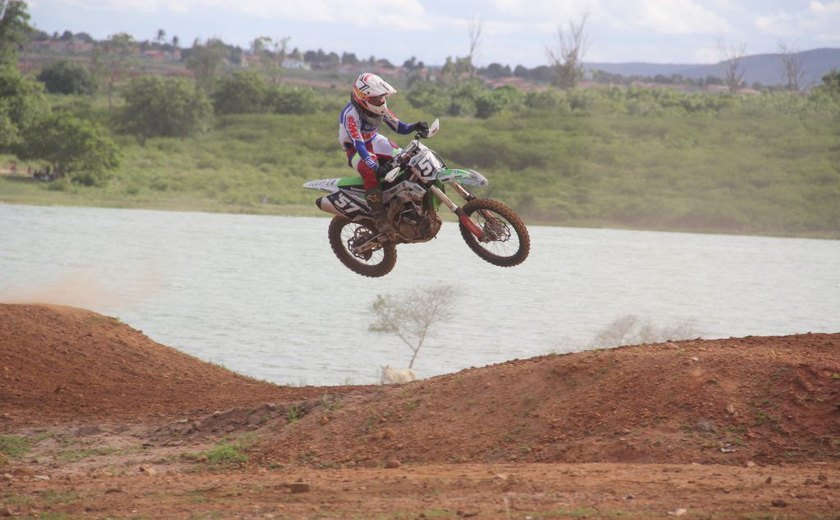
pixel 422 128
pixel 383 170
pixel 371 163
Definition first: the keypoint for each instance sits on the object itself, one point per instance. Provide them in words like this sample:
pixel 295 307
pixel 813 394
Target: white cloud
pixel 675 17
pixel 824 7
pixel 546 10
pixel 819 21
pixel 400 14
pixel 660 16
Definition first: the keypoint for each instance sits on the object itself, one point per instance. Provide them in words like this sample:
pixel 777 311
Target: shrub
pixel 171 107
pixel 21 102
pixel 241 93
pixel 291 100
pixel 79 149
pixel 544 99
pixel 66 77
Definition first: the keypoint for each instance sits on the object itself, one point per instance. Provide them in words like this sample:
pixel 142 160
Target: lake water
pixel 264 295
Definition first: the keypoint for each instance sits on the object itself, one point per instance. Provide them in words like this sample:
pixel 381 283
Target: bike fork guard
pixel 465 219
pixel 469 223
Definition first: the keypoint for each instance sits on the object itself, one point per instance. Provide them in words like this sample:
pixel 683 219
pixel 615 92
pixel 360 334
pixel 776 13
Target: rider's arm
pixel 351 125
pixel 396 125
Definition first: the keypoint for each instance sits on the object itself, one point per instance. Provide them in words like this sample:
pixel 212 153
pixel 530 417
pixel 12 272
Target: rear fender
pixel 331 185
pixel 345 197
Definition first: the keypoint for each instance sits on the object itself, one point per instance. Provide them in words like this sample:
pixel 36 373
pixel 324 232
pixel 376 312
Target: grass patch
pixel 293 414
pixel 225 453
pixel 14 446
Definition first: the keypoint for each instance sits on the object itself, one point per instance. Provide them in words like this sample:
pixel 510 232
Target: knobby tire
pixel 496 209
pixel 338 242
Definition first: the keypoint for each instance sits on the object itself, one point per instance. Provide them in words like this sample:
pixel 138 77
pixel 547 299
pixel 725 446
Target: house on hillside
pixel 62 46
pixel 162 55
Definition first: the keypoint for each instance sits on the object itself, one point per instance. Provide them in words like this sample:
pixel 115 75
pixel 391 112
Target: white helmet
pixel 370 91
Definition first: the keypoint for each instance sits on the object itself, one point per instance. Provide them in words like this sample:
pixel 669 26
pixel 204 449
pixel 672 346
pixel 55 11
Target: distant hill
pixel 766 69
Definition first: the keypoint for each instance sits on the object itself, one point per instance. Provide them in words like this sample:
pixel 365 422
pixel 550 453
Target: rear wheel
pixel 505 242
pixel 346 236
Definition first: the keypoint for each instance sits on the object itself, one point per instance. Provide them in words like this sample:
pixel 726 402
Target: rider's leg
pixel 383 147
pixel 373 195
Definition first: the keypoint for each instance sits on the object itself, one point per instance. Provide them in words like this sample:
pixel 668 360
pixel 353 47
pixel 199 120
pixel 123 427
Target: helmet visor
pixel 377 101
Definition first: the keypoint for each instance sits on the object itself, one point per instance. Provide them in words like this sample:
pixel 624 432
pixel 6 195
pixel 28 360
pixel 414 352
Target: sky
pixel 513 32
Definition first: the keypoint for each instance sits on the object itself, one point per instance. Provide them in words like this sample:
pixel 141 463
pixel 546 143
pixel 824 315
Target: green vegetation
pixel 14 446
pixel 248 93
pixel 293 414
pixel 164 107
pixel 234 141
pixel 623 157
pixel 225 453
pixel 79 149
pixel 66 77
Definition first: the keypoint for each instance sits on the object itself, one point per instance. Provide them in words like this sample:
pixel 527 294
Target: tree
pixel 66 77
pixel 496 70
pixel 284 99
pixel 161 37
pixel 74 147
pixel 793 68
pixel 831 83
pixel 14 29
pixel 452 71
pixel 411 316
pixel 22 102
pixel 241 93
pixel 204 61
pixel 349 58
pixel 271 54
pixel 117 48
pixel 475 28
pixel 566 61
pixel 165 107
pixel 731 57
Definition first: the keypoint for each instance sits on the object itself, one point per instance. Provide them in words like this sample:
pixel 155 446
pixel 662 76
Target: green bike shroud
pixel 456 174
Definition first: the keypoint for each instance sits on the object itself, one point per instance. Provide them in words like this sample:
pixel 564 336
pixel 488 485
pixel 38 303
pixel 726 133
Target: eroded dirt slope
pixel 765 399
pixel 63 364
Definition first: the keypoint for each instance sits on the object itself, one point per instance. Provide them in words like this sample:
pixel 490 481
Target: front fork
pixel 463 217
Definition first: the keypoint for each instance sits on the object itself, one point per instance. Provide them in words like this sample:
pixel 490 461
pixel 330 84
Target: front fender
pixel 468 177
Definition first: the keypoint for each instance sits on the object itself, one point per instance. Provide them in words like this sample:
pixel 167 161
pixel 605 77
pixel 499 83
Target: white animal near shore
pixel 397 375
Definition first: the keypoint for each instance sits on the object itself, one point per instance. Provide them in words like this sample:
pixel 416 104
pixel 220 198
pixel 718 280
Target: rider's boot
pixel 374 200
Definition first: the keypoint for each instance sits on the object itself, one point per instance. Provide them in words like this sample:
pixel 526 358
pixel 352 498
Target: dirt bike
pixel 412 191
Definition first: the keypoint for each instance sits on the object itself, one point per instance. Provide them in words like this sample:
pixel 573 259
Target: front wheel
pixel 350 241
pixel 505 241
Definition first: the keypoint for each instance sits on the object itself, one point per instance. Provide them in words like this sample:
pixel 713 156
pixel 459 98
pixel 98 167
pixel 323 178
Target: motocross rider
pixel 358 133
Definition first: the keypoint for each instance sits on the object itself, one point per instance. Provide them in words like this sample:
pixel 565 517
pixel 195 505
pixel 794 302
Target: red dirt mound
pixel 766 399
pixel 62 364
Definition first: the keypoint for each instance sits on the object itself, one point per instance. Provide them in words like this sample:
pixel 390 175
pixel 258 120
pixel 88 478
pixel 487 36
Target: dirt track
pixel 115 425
